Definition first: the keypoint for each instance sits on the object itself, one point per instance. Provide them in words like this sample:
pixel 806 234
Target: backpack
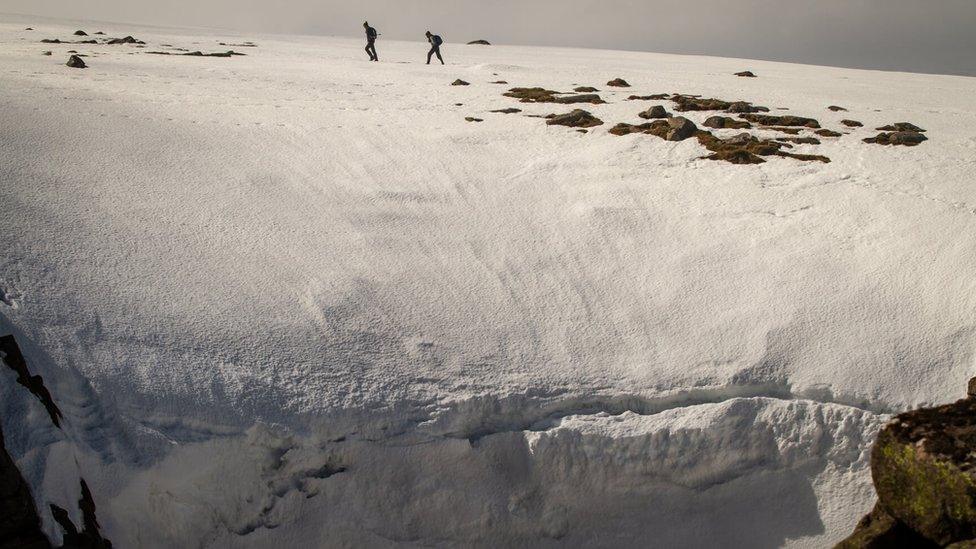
pixel 437 40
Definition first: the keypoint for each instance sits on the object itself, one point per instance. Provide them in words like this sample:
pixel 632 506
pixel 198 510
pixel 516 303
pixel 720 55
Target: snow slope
pixel 294 296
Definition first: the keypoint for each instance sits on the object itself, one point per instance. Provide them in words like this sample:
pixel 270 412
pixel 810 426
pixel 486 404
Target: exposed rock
pixel 473 119
pixel 100 33
pixel 585 89
pixel 479 43
pixel 746 74
pixel 735 156
pixel 878 530
pixel 655 97
pixel 241 45
pixel 532 95
pixel 575 119
pixel 789 131
pixel 76 62
pixel 805 157
pixel 800 140
pixel 14 359
pixel 28 29
pixel 659 128
pixel 851 123
pixel 618 83
pixel 49 52
pixel 657 111
pixel 743 107
pixel 90 536
pixel 724 122
pixel 126 40
pixel 80 33
pixel 499 82
pixel 509 110
pixel 835 108
pixel 924 470
pixel 828 133
pixel 681 129
pixel 593 99
pixel 460 82
pixel 901 127
pixel 20 525
pixel 908 139
pixel 216 54
pixel 50 41
pixel 688 103
pixel 769 120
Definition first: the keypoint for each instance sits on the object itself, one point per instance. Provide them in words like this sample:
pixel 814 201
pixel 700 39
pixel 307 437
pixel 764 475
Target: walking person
pixel 371 41
pixel 435 47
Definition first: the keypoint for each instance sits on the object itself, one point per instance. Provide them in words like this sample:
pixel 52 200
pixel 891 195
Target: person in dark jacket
pixel 371 42
pixel 435 47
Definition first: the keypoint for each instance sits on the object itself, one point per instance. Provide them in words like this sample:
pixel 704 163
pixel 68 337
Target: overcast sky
pixel 936 36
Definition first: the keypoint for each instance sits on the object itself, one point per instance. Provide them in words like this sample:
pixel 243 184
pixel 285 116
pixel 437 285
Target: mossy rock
pixel 878 530
pixel 924 470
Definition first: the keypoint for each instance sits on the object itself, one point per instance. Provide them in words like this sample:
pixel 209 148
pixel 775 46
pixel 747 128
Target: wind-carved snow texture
pixel 294 299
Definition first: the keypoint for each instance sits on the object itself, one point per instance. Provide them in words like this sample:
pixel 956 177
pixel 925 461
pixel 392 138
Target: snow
pixel 236 275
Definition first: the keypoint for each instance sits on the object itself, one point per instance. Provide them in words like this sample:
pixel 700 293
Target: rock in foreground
pixel 76 62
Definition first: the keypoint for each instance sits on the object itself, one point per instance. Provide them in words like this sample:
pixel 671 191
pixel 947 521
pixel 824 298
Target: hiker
pixel 435 47
pixel 371 41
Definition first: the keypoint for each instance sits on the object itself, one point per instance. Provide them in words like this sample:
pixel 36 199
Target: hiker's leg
pixel 439 55
pixel 376 56
pixel 430 53
pixel 369 52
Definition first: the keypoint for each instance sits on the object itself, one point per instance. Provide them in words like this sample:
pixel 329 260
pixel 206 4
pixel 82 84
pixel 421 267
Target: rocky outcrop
pixel 80 33
pixel 770 120
pixel 618 83
pixel 14 359
pixel 20 525
pixel 724 122
pixel 653 97
pixel 745 74
pixel 852 123
pixel 126 40
pixel 655 112
pixel 924 468
pixel 901 127
pixel 827 133
pixel 532 95
pixel 590 98
pixel 585 89
pixel 906 138
pixel 672 129
pixel 575 119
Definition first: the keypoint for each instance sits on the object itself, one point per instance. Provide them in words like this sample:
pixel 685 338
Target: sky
pixel 934 36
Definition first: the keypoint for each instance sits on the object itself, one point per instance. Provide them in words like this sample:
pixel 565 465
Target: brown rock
pixel 509 110
pixel 657 111
pixel 585 89
pixel 768 120
pixel 835 108
pixel 473 119
pixel 76 62
pixel 745 74
pixel 851 123
pixel 680 129
pixel 460 82
pixel 618 83
pixel 724 122
pixel 655 97
pixel 575 119
pixel 593 99
pixel 908 139
pixel 532 95
pixel 901 127
pixel 828 133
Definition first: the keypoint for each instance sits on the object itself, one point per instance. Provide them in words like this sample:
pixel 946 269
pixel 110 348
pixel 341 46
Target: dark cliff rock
pixel 20 525
pixel 10 352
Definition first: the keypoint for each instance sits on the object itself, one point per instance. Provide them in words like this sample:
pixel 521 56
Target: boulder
pixel 724 122
pixel 828 133
pixel 680 129
pixel 80 33
pixel 585 89
pixel 460 82
pixel 532 95
pixel 794 121
pixel 575 119
pixel 479 43
pixel 878 530
pixel 657 111
pixel 76 62
pixel 618 83
pixel 745 74
pixel 851 123
pixel 126 40
pixel 908 139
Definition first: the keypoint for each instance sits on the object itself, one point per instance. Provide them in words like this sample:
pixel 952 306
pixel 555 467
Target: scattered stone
pixel 80 33
pixel 745 74
pixel 473 119
pixel 593 99
pixel 908 139
pixel 585 89
pixel 48 53
pixel 768 120
pixel 28 29
pixel 100 33
pixel 50 41
pixel 532 95
pixel 828 133
pixel 659 128
pixel 688 103
pixel 724 122
pixel 76 62
pixel 575 119
pixel 901 127
pixel 835 108
pixel 509 110
pixel 618 83
pixel 681 129
pixel 657 111
pixel 460 82
pixel 655 97
pixel 479 43
pixel 126 40
pixel 743 107
pixel 851 123
pixel 499 82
